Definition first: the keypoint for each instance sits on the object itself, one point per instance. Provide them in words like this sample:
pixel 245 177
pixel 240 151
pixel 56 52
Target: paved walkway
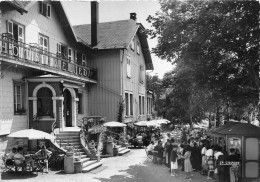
pixel 132 167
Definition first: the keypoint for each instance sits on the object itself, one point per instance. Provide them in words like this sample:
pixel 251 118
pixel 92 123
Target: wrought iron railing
pixel 33 54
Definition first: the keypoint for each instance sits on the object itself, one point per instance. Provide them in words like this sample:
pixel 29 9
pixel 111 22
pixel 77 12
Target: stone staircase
pixel 122 150
pixel 73 138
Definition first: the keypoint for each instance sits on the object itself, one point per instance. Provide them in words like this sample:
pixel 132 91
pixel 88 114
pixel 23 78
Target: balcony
pixel 31 55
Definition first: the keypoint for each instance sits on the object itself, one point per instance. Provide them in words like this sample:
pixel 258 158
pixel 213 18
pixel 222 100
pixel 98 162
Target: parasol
pixel 141 123
pixel 114 124
pixel 31 134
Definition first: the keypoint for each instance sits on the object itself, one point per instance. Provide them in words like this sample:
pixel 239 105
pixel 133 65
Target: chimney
pixel 133 16
pixel 94 23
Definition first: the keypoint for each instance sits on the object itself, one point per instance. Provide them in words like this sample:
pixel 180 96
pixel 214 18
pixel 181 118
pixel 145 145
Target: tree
pixel 219 40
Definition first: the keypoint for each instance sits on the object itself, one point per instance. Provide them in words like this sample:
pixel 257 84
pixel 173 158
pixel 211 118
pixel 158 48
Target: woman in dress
pixel 187 163
pixel 174 163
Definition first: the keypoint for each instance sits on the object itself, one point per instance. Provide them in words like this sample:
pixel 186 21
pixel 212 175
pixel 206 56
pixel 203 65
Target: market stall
pixel 245 138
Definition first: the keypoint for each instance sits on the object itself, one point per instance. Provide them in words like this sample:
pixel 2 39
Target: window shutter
pixel 10 27
pixel 58 49
pixel 48 11
pixel 20 33
pixel 41 7
pixel 128 67
pixel 75 56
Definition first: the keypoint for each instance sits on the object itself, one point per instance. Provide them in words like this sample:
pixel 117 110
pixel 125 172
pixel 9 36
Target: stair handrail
pixel 74 147
pixel 53 127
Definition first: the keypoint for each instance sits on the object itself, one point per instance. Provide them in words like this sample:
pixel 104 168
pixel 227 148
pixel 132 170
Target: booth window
pixel 80 104
pixel 44 102
pixel 19 102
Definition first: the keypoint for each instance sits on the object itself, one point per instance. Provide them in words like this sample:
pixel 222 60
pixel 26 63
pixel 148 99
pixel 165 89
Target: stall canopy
pixel 244 129
pixel 234 128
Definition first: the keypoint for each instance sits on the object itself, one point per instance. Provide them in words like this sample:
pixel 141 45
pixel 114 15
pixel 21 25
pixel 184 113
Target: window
pixel 84 60
pixel 141 105
pixel 138 47
pixel 75 56
pixel 19 97
pixel 132 44
pixel 58 49
pixel 149 105
pixel 45 9
pixel 62 51
pixel 128 67
pixel 44 102
pixel 44 46
pixel 128 104
pixel 80 104
pixel 16 30
pixel 70 54
pixel 142 74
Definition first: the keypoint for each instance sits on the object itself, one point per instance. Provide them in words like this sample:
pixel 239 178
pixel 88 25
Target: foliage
pixel 120 111
pixel 214 45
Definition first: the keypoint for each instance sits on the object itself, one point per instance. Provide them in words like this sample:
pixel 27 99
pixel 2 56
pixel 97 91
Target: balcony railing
pixel 32 54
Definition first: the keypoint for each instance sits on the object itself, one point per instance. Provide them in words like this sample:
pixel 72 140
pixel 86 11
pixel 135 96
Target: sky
pixel 78 12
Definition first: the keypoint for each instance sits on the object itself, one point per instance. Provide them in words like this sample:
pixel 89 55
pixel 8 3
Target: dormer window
pixel 45 9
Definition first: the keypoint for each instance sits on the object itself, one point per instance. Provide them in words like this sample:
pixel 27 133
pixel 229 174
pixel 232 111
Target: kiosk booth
pixel 245 138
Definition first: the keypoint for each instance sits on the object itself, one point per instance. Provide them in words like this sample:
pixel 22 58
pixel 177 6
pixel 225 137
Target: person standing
pixel 233 158
pixel 187 163
pixel 173 159
pixel 183 136
pixel 210 161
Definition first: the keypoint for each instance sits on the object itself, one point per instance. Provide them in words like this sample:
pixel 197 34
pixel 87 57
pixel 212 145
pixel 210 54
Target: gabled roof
pixel 18 5
pixel 116 35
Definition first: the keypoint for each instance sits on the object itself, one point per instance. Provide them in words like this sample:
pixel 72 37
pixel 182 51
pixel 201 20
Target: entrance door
pixel 67 108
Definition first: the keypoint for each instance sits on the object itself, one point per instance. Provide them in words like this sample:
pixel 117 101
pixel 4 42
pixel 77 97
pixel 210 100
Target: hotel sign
pixel 34 55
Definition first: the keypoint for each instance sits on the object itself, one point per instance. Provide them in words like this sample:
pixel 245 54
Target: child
pixel 174 163
pixel 187 163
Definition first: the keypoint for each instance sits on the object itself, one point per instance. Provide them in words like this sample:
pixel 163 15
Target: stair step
pixel 71 142
pixel 121 148
pixel 83 160
pixel 66 137
pixel 83 156
pixel 123 152
pixel 88 163
pixel 91 167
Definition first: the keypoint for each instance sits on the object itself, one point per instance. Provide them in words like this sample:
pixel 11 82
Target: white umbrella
pixel 141 123
pixel 114 124
pixel 152 123
pixel 161 121
pixel 31 134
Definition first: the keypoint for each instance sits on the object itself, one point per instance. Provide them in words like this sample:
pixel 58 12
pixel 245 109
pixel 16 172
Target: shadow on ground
pixel 145 172
pixel 11 175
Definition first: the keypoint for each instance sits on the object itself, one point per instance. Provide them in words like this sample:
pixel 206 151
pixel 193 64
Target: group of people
pixel 17 157
pixel 143 138
pixel 195 153
pixel 171 153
